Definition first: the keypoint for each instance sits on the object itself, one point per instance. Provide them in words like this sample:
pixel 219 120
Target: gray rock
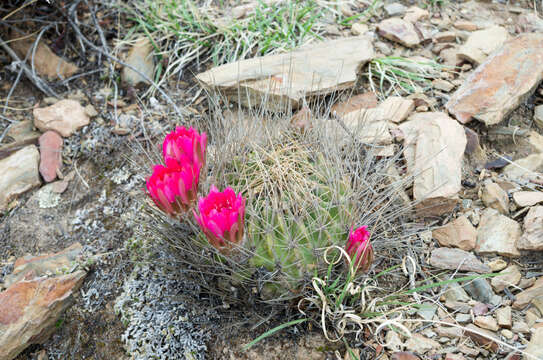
pixel 427 311
pixel 456 293
pixel 395 9
pixel 400 31
pixel 497 234
pixel 19 174
pixel 538 116
pixel 480 290
pixel 453 259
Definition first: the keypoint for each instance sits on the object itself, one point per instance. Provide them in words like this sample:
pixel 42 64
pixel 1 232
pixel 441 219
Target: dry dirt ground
pixel 100 209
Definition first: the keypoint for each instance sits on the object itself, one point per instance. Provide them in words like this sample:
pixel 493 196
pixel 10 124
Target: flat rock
pixel 482 43
pixel 404 355
pixel 442 85
pixel 509 276
pixel 465 25
pixel 482 337
pixel 29 310
pixel 421 344
pixel 524 169
pixel 29 267
pixel 445 37
pixel 449 331
pixel 532 238
pixel 367 100
pixel 527 198
pixel 140 56
pixel 278 81
pixel 534 350
pixel 453 259
pixel 497 234
pixel 456 293
pixel 458 233
pixel 525 297
pixel 503 317
pixel 495 197
pixel 396 108
pixel 414 14
pixel 486 322
pixel 50 155
pixel 400 31
pixel 395 9
pixel 46 62
pixel 434 147
pixel 505 79
pixel 65 117
pixel 19 174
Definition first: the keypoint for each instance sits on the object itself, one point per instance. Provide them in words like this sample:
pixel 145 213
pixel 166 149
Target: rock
pixel 427 311
pixel 50 155
pixel 414 14
pixel 463 318
pixel 497 234
pixel 434 146
pixel 404 355
pixel 449 56
pixel 480 290
pixel 22 132
pixel 501 83
pixel 495 197
pixel 442 85
pixel 456 293
pixel 482 337
pixel 29 267
pixel 140 57
pixel 280 80
pixel 525 297
pixel 46 63
pixel 395 9
pixel 458 233
pixel 451 356
pixel 527 198
pixel 532 238
pixel 486 322
pixel 520 327
pixel 359 29
pixel 302 119
pixel 534 350
pixel 19 174
pixel 90 111
pixel 396 109
pixel 29 310
pixel 400 31
pixel 393 341
pixel 453 259
pixel 503 316
pixel 458 306
pixel 449 331
pixel 482 43
pixel 364 125
pixel 65 117
pixel 538 116
pixel 465 25
pixel 497 264
pixel 531 316
pixel 526 283
pixel 445 37
pixel 479 309
pixel 524 169
pixel 508 277
pixel 473 144
pixel 421 344
pixel 367 100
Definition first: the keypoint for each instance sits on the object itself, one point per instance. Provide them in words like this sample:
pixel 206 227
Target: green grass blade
pixel 273 331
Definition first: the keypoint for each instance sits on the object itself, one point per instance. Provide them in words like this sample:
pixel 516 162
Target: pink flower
pixel 221 218
pixel 187 143
pixel 174 187
pixel 359 247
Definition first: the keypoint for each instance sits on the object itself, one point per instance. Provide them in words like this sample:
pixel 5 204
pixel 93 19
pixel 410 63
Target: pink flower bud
pixel 187 143
pixel 359 247
pixel 174 187
pixel 221 218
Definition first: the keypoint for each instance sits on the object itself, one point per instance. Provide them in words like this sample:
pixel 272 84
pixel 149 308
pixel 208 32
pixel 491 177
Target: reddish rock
pixel 367 100
pixel 301 119
pixel 525 297
pixel 501 83
pixel 404 355
pixel 65 117
pixel 400 31
pixel 483 337
pixel 50 155
pixel 458 233
pixel 30 309
pixel 532 239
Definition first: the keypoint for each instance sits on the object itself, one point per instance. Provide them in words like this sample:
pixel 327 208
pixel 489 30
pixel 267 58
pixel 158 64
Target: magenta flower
pixel 359 247
pixel 174 187
pixel 187 143
pixel 221 218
